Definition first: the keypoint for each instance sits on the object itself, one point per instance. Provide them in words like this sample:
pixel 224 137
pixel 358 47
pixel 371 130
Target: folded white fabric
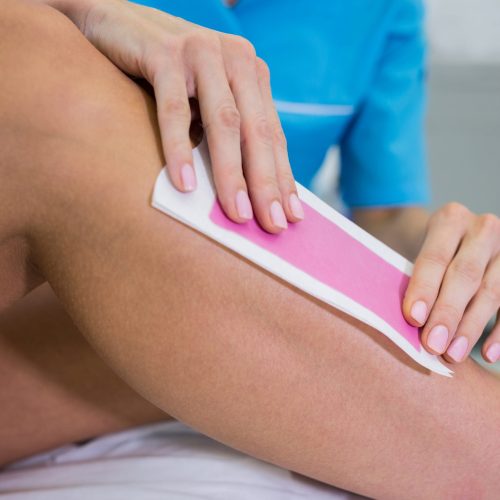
pixel 160 461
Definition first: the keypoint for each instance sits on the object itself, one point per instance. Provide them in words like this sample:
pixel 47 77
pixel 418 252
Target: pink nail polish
pixel 188 177
pixel 419 312
pixel 277 215
pixel 243 205
pixel 296 206
pixel 493 352
pixel 438 338
pixel 457 349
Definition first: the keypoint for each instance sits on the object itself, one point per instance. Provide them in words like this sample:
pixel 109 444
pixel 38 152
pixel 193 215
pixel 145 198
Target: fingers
pixel 491 347
pixel 286 183
pixel 256 141
pixel 174 118
pixel 257 147
pixel 445 232
pixel 455 292
pixel 461 282
pixel 481 309
pixel 246 143
pixel 222 122
pixel 247 147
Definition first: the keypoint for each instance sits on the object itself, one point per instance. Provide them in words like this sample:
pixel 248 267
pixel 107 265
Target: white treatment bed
pixel 161 461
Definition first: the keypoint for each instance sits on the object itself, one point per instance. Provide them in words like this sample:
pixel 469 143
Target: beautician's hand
pixel 183 60
pixel 455 288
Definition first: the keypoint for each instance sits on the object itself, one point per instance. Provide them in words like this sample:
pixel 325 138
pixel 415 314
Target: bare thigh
pixel 57 382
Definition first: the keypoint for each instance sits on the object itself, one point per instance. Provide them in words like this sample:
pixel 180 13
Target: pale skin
pixel 247 360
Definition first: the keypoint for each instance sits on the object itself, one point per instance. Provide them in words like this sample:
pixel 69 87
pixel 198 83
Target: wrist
pixel 401 228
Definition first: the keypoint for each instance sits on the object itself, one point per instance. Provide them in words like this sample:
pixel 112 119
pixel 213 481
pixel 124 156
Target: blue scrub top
pixel 344 72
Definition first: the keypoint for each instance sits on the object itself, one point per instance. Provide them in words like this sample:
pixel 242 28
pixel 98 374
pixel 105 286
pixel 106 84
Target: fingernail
pixel 457 349
pixel 493 352
pixel 188 177
pixel 243 205
pixel 438 338
pixel 296 206
pixel 419 312
pixel 277 215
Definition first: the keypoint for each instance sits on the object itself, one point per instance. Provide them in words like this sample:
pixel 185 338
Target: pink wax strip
pixel 326 252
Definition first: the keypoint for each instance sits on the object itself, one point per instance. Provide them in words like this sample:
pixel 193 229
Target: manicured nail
pixel 457 349
pixel 419 312
pixel 243 205
pixel 493 352
pixel 438 338
pixel 277 215
pixel 188 177
pixel 296 206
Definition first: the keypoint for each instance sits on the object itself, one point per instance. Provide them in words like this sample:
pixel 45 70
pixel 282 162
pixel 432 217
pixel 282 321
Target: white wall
pixel 464 111
pixel 462 31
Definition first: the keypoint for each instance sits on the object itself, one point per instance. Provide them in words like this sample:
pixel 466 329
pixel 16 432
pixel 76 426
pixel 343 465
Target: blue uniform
pixel 344 72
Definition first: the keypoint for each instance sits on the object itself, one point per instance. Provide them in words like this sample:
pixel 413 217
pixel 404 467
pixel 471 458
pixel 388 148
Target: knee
pixel 59 87
pixel 30 29
pixel 68 108
pixel 40 45
pixel 54 77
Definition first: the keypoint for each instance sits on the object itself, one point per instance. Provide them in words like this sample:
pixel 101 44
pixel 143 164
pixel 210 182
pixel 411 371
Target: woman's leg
pixel 199 332
pixel 55 377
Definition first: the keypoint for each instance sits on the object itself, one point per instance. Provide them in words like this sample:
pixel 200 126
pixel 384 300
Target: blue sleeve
pixel 383 157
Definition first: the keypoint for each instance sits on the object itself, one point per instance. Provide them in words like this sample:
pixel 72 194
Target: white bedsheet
pixel 162 461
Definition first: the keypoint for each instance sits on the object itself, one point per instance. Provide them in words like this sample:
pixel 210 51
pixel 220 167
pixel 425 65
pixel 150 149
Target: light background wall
pixel 464 105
